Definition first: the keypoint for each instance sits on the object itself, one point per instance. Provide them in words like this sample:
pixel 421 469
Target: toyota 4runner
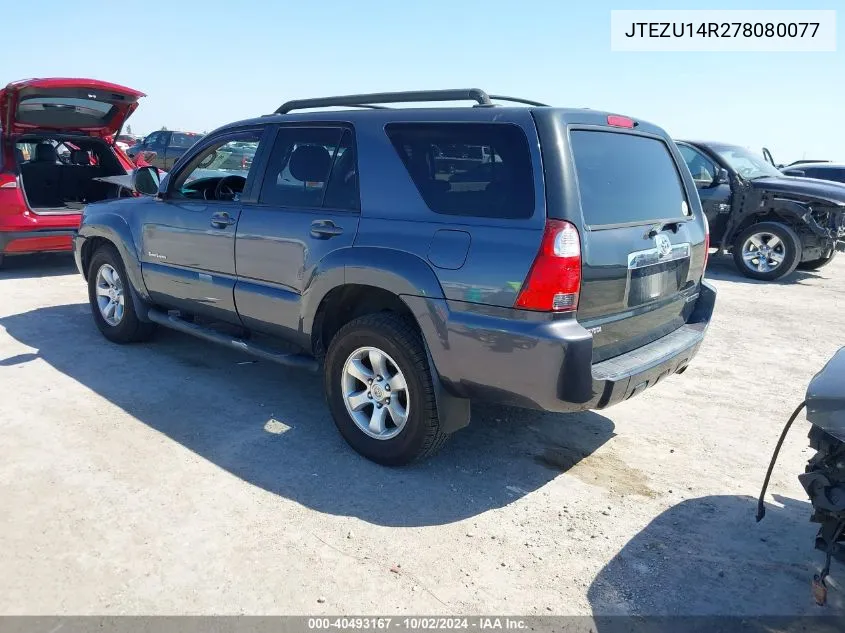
pixel 422 257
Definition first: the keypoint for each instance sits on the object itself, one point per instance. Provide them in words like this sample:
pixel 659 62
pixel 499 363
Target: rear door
pixel 642 245
pixel 307 208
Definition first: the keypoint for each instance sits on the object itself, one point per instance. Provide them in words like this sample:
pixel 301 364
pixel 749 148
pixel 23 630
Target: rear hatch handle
pixel 659 228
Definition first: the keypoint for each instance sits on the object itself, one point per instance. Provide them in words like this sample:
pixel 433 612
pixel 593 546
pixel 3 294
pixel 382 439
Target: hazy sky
pixel 203 64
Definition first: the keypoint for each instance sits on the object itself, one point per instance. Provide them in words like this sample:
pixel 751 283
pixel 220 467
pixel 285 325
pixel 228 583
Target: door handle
pixel 221 220
pixel 324 229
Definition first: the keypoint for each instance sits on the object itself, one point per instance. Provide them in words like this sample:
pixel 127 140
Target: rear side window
pixel 183 141
pixel 624 178
pixel 313 168
pixel 827 173
pixel 469 169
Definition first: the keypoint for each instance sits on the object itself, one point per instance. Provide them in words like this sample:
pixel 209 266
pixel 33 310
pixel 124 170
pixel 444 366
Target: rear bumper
pixel 548 365
pixel 38 241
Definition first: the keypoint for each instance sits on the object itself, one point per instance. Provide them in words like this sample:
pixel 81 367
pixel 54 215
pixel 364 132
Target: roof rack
pixel 418 96
pixel 519 100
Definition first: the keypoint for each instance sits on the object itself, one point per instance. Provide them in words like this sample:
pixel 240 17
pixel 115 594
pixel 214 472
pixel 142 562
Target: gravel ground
pixel 175 477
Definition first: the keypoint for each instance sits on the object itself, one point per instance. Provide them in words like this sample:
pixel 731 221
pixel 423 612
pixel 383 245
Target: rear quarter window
pixel 626 178
pixel 468 169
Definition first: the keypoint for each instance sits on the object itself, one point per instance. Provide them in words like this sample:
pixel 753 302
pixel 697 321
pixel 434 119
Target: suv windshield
pixel 746 163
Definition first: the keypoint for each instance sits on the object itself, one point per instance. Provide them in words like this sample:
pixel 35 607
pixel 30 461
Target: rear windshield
pixel 468 169
pixel 625 178
pixel 182 140
pixel 63 111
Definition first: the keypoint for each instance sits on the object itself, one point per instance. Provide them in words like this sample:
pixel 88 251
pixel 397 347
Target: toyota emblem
pixel 664 246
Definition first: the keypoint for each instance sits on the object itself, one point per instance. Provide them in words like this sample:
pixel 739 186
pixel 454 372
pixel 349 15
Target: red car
pixel 56 138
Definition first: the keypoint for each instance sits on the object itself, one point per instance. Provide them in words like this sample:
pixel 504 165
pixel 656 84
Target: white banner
pixel 723 31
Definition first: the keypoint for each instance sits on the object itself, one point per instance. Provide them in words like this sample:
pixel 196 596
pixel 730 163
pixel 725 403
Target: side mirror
pixel 722 177
pixel 146 180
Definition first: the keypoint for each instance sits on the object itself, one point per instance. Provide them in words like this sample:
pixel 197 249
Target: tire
pixel 787 248
pixel 123 327
pixel 815 264
pixel 402 349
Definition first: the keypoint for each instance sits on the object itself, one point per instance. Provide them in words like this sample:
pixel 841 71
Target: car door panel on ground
pixel 307 207
pixel 715 196
pixel 189 236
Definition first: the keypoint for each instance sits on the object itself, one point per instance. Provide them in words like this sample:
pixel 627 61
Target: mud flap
pixel 454 413
pixel 142 308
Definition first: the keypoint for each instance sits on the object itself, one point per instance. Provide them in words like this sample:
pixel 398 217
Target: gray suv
pixel 421 258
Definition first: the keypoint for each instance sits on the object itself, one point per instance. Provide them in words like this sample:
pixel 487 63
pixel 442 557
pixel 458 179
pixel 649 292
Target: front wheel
pixel 767 251
pixel 815 264
pixel 380 391
pixel 109 294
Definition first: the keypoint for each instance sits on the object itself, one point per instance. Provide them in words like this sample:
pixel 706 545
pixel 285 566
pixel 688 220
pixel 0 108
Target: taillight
pixel 244 163
pixel 554 281
pixel 706 242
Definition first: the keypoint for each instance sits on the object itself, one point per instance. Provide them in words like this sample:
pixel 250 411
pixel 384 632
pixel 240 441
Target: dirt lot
pixel 173 477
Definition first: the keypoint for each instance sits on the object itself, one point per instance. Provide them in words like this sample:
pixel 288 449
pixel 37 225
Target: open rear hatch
pixel 68 105
pixel 643 255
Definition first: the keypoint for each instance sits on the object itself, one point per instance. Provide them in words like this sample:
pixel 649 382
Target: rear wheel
pixel 767 251
pixel 815 264
pixel 380 390
pixel 109 294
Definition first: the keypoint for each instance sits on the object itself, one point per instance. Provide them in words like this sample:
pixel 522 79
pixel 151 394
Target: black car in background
pixel 820 171
pixel 162 149
pixel 773 223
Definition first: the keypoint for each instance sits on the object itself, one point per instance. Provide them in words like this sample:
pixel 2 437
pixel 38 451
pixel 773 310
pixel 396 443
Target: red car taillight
pixel 244 163
pixel 11 196
pixel 554 281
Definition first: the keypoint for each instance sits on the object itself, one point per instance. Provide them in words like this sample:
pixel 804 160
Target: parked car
pixel 569 277
pixel 821 171
pixel 162 149
pixel 770 222
pixel 55 141
pixel 125 141
pixel 767 154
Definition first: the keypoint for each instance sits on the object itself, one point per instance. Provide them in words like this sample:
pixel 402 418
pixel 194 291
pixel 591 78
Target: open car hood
pixel 70 105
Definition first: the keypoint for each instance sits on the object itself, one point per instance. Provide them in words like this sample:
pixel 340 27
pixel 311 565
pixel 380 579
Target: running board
pixel 175 323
